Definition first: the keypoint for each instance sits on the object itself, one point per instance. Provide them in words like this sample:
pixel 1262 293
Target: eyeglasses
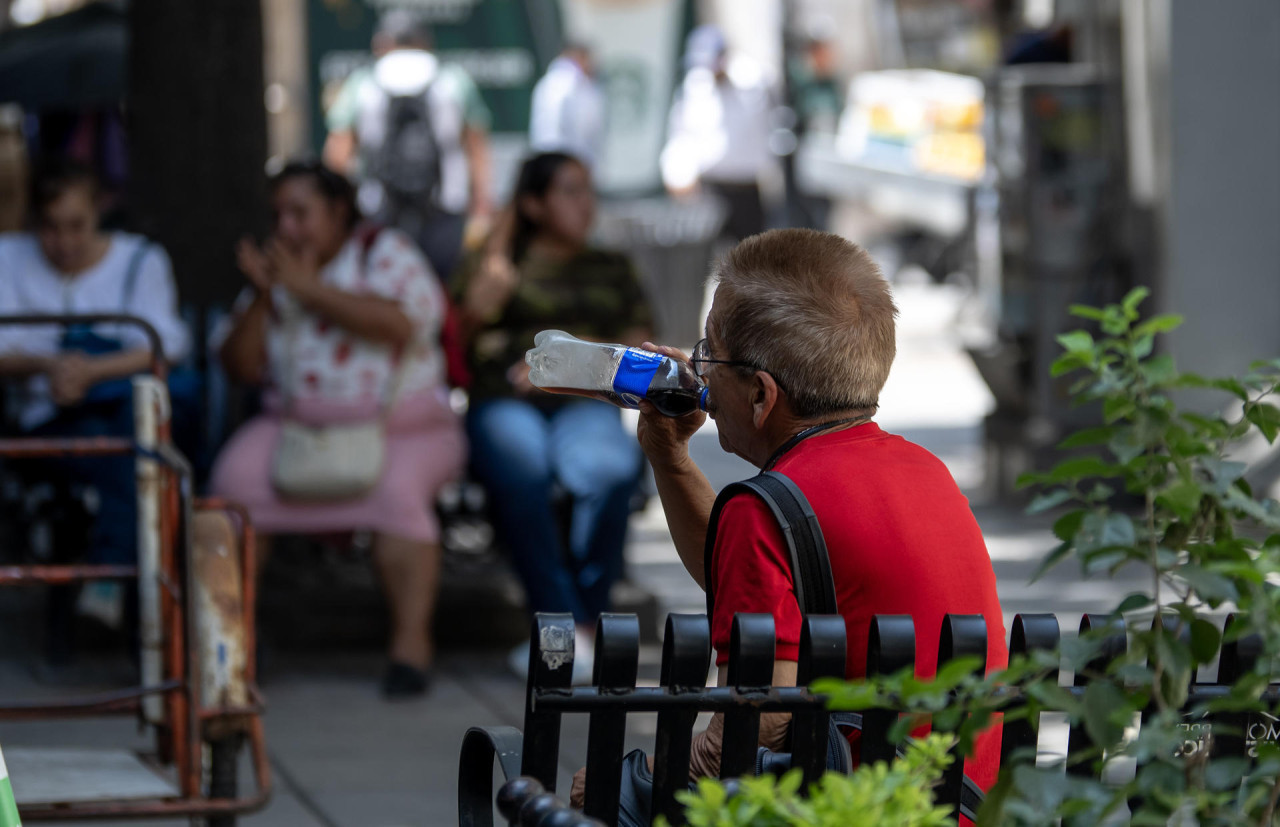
pixel 702 357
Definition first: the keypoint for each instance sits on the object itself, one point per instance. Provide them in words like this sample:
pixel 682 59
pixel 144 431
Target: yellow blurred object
pixel 957 154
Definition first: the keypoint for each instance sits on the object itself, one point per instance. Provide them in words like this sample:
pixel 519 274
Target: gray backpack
pixel 408 162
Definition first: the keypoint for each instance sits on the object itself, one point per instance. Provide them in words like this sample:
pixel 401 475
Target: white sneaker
pixel 102 600
pixel 584 659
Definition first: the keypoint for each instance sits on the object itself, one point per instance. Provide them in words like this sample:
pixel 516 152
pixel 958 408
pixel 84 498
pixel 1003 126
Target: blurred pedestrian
pixel 341 324
pixel 76 380
pixel 567 112
pixel 718 131
pixel 526 443
pixel 818 101
pixel 415 134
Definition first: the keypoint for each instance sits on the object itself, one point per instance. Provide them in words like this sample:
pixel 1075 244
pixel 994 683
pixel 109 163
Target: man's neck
pixel 789 427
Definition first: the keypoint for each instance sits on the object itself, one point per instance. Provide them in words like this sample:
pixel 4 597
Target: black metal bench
pixel 528 761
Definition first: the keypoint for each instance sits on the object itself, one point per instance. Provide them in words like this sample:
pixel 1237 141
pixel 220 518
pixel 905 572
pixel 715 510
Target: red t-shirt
pixel 901 538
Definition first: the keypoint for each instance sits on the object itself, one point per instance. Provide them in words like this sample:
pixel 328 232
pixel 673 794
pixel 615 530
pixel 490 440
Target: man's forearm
pixel 687 498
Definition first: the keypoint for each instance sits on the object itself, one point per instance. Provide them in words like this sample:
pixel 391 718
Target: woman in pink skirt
pixel 361 342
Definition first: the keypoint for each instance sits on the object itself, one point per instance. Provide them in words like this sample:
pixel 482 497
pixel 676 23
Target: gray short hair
pixel 813 310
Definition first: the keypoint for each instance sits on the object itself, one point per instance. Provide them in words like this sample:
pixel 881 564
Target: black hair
pixel 55 178
pixel 536 174
pixel 333 186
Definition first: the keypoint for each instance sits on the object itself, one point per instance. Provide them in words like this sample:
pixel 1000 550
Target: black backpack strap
pixel 810 565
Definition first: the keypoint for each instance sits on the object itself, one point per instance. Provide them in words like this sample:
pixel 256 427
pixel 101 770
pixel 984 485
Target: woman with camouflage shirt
pixel 524 442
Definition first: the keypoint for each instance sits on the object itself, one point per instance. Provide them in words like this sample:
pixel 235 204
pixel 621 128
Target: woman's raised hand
pixel 296 271
pixel 253 263
pixel 491 287
pixel 665 439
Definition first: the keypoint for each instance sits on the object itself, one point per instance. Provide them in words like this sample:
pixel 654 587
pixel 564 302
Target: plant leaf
pixel 1133 602
pixel 1205 638
pixel 1084 311
pixel 1077 341
pixel 1160 370
pixel 1088 437
pixel 1159 324
pixel 1211 587
pixel 1105 708
pixel 1266 417
pixel 1068 524
pixel 1132 299
pixel 1183 498
pixel 1080 468
pixel 1052 499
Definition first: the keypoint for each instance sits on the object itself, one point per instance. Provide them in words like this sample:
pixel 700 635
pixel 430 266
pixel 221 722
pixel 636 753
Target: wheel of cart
pixel 197 694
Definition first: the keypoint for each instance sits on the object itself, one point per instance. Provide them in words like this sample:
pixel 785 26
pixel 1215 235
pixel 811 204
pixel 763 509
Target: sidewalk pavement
pixel 342 756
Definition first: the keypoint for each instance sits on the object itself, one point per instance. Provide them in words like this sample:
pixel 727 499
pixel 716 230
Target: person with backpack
pixel 800 339
pixel 341 326
pixel 413 132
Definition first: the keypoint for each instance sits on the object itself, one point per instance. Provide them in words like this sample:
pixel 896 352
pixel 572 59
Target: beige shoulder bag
pixel 328 463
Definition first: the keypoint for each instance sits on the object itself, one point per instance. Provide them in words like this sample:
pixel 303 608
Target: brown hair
pixel 814 311
pixel 55 178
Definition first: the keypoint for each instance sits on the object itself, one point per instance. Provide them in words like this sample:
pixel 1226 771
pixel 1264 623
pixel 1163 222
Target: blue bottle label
pixel 636 371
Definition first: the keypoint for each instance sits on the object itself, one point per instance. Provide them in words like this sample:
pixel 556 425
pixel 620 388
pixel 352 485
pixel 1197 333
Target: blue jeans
pixel 115 531
pixel 519 452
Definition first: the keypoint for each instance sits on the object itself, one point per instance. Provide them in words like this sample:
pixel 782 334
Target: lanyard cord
pixel 812 430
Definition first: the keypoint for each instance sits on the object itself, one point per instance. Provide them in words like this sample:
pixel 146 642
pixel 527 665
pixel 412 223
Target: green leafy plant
pixel 897 793
pixel 1155 485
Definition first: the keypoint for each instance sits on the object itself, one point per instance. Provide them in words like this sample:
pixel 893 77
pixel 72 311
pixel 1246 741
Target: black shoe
pixel 403 681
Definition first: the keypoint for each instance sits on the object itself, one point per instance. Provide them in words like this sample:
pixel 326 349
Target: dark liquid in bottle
pixel 673 402
pixel 668 401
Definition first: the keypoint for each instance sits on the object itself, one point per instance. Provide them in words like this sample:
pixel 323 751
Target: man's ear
pixel 765 398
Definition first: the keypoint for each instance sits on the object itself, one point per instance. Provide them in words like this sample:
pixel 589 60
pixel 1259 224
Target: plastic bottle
pixel 560 363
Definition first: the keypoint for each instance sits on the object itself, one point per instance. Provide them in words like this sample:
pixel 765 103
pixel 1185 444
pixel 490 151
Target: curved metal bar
pixel 550 668
pixel 1030 633
pixel 1078 740
pixel 617 658
pixel 751 650
pixel 962 636
pixel 475 771
pixel 823 652
pixel 891 647
pixel 686 657
pixel 156 347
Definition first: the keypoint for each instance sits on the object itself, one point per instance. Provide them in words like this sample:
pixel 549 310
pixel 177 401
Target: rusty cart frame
pixel 199 718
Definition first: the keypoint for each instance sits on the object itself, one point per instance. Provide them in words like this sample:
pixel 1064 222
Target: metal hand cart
pixel 195 582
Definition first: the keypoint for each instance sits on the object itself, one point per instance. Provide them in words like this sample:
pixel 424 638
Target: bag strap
pixel 131 274
pixel 807 549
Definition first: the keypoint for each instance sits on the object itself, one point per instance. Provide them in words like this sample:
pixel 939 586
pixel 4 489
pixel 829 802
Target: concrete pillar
pixel 1221 222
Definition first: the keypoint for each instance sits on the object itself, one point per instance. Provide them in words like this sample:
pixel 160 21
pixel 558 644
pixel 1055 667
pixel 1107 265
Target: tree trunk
pixel 198 136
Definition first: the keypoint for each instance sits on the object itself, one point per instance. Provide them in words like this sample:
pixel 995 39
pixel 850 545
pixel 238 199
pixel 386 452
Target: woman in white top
pixel 342 324
pixel 76 379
